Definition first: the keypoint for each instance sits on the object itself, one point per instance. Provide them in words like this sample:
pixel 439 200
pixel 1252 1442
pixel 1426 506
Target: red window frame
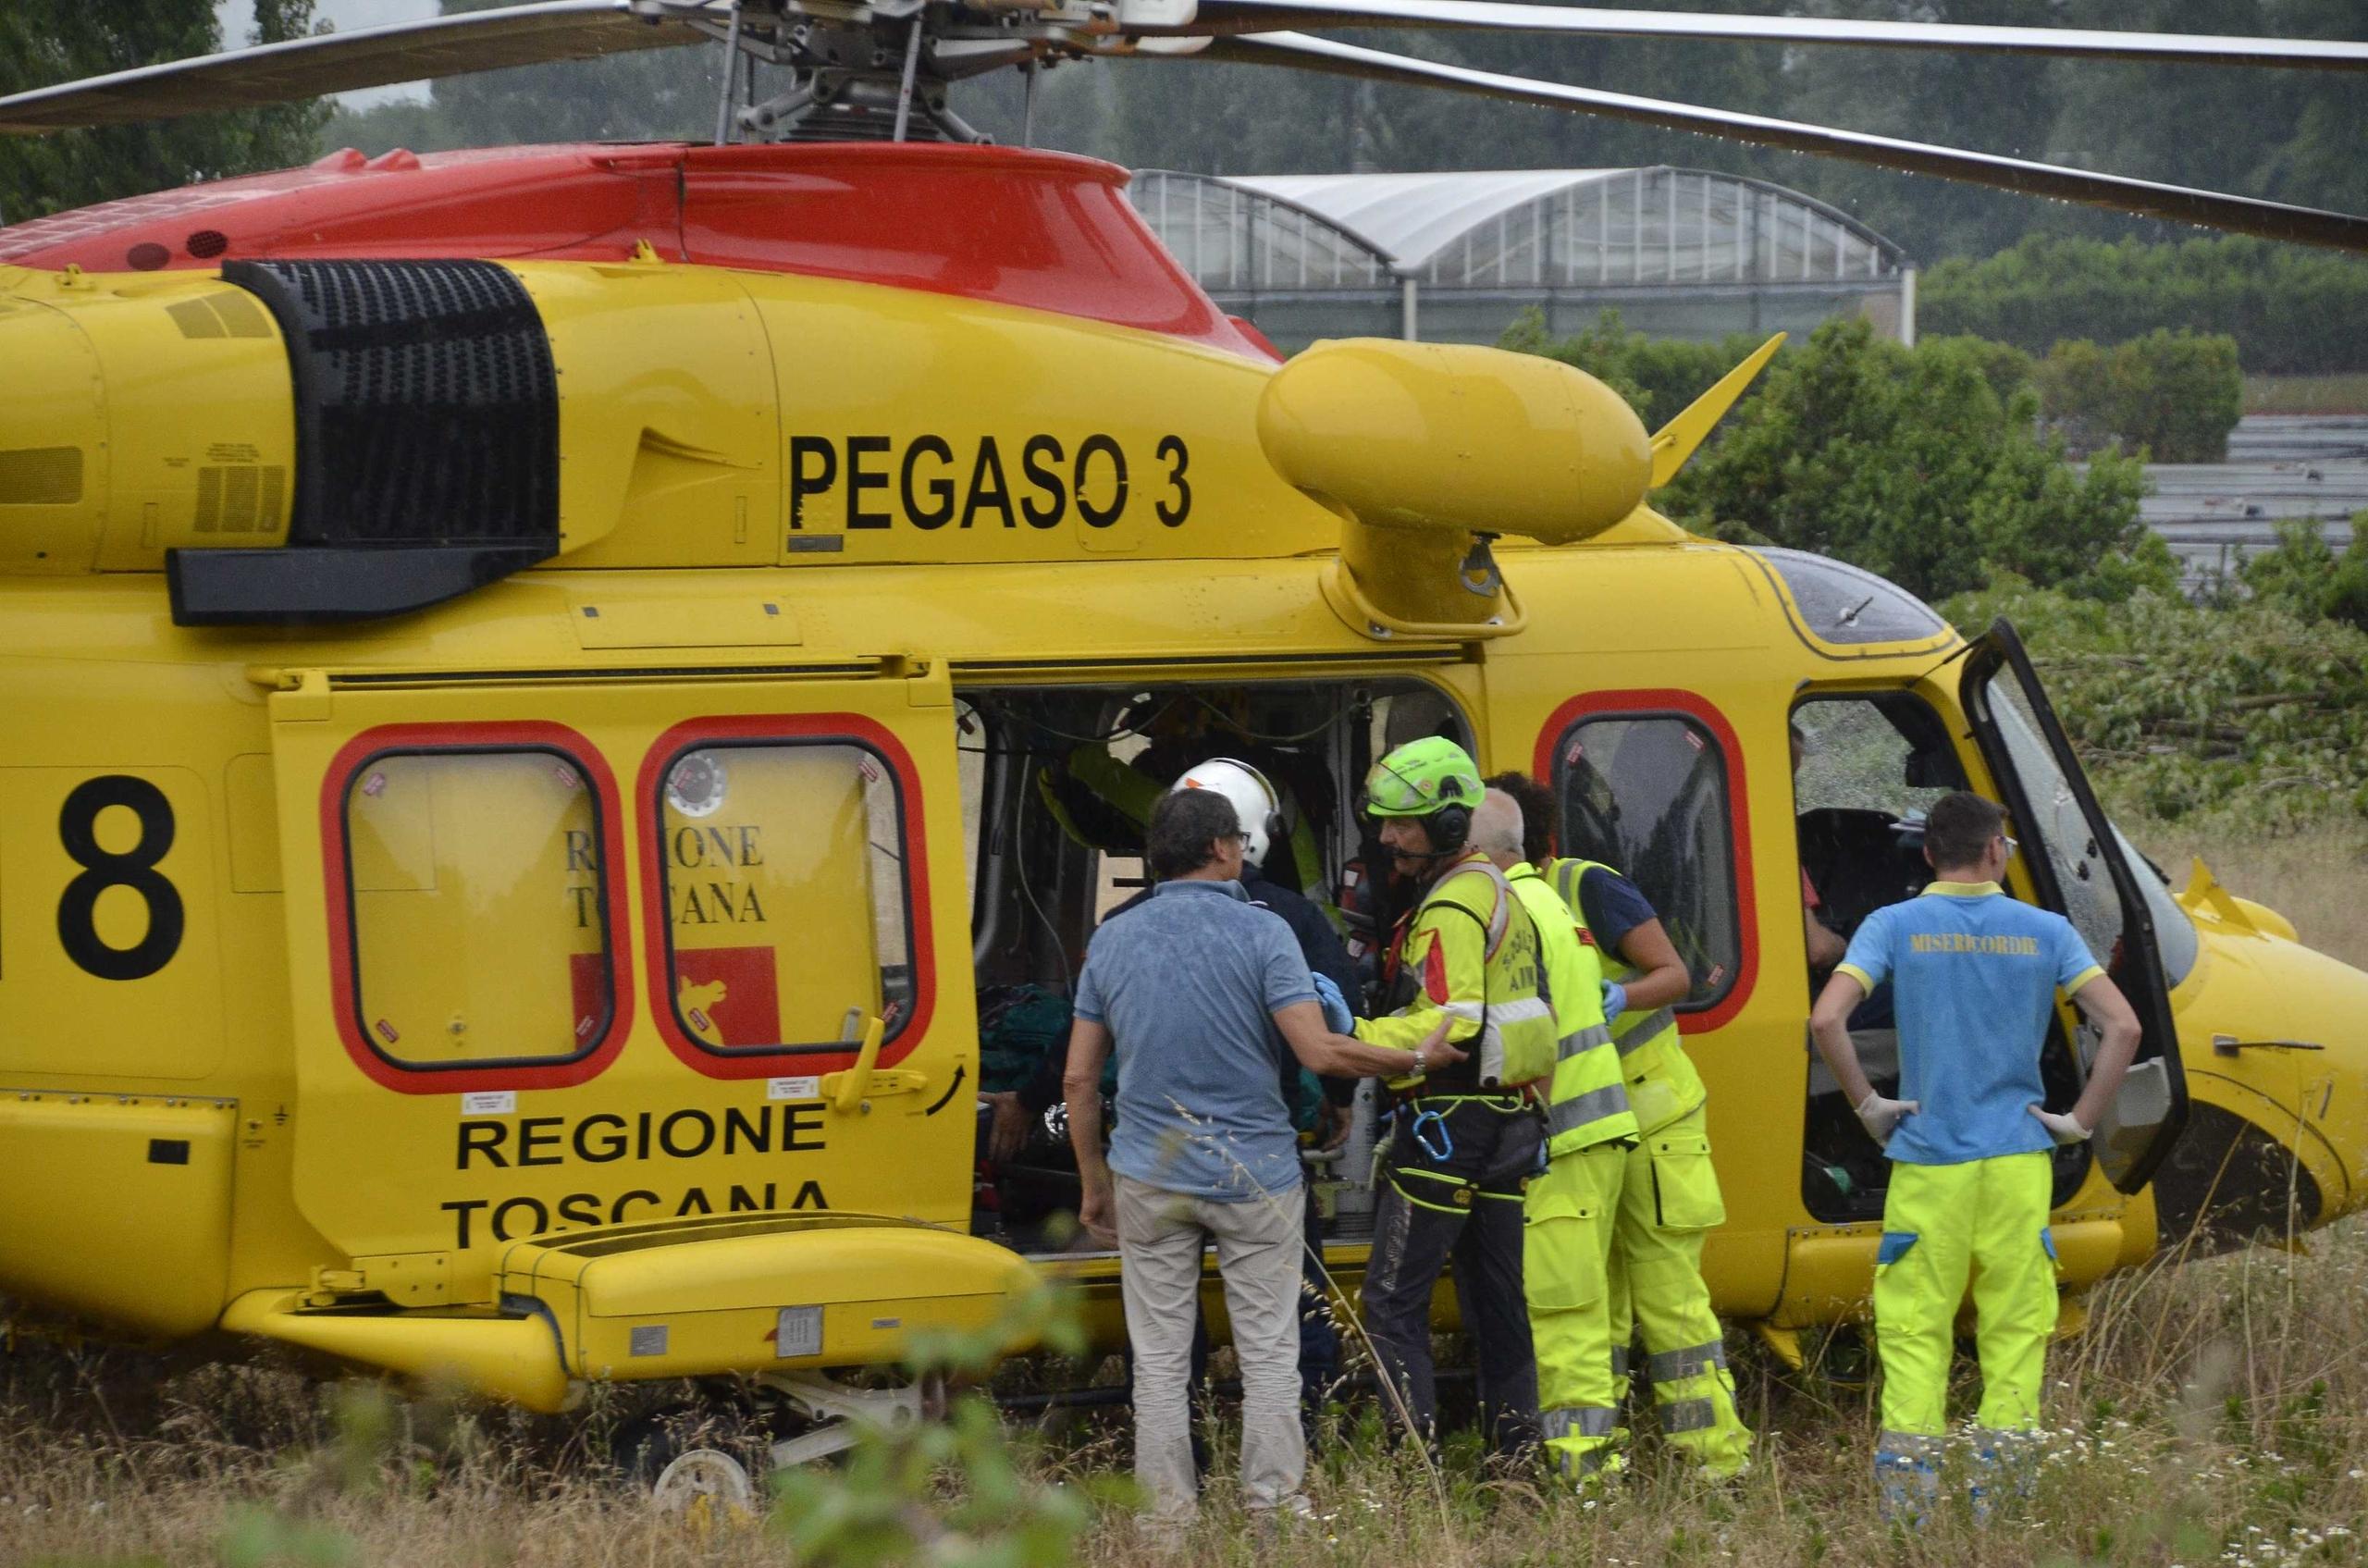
pixel 785 729
pixel 337 873
pixel 1645 703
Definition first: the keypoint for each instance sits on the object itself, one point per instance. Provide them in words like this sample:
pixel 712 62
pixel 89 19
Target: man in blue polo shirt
pixel 1974 976
pixel 1198 992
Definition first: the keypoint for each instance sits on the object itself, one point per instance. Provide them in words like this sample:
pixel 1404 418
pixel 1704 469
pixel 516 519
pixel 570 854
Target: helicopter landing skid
pixel 841 1412
pixel 838 1414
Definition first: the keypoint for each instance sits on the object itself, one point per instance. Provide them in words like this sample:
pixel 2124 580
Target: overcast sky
pixel 239 20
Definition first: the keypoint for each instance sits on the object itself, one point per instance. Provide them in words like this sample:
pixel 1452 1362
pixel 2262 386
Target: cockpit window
pixel 1647 793
pixel 2088 898
pixel 2089 901
pixel 2174 931
pixel 1842 603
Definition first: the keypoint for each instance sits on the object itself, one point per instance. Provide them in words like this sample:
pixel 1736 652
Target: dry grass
pixel 2215 1412
pixel 2306 394
pixel 2315 879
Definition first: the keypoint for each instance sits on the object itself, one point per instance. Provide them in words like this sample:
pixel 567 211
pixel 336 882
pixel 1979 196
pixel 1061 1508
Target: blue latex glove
pixel 1337 1016
pixel 1615 1000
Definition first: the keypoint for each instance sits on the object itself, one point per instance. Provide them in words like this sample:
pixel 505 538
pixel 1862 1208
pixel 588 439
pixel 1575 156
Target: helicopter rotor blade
pixel 1227 17
pixel 2239 214
pixel 341 62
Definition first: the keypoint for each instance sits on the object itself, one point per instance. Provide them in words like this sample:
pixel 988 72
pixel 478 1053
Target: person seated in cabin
pixel 1826 946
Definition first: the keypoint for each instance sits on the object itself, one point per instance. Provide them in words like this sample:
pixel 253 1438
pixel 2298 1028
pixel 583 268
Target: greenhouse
pixel 1456 258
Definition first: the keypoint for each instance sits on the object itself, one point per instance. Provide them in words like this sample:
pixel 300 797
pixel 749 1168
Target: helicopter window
pixel 1648 793
pixel 788 920
pixel 2090 900
pixel 1842 603
pixel 479 908
pixel 1870 765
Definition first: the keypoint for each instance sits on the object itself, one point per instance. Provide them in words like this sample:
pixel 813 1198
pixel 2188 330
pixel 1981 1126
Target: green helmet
pixel 1423 777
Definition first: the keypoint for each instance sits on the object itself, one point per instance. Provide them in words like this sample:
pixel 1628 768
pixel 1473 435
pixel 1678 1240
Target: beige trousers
pixel 1161 1235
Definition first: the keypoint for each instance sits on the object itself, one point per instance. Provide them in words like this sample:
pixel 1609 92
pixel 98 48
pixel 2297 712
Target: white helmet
pixel 1253 798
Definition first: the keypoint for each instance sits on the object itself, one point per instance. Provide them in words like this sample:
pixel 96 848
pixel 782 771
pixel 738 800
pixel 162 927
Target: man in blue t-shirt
pixel 1190 991
pixel 1974 976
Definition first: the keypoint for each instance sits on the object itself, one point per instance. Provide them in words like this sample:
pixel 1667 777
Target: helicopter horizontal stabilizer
pixel 1679 439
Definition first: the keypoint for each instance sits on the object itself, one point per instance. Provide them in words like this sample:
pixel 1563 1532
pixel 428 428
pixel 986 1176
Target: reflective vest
pixel 1662 1084
pixel 1586 1102
pixel 1470 952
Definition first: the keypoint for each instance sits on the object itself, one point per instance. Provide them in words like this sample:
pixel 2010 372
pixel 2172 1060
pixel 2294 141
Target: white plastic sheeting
pixel 1534 228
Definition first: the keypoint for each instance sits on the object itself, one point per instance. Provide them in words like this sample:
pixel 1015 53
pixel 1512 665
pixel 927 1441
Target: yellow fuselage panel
pixel 707 418
pixel 138 415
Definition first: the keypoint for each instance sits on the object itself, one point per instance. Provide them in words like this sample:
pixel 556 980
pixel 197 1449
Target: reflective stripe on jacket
pixel 1662 1084
pixel 1471 950
pixel 1586 1101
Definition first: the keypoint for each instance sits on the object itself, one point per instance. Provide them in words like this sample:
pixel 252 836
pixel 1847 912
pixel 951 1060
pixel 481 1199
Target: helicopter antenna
pixel 905 82
pixel 731 75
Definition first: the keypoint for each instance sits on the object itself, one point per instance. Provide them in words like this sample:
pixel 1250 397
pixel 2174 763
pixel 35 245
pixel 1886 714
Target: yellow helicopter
pixel 536 682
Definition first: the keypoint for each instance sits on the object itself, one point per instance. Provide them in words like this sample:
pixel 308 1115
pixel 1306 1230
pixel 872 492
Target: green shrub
pixel 2304 577
pixel 1658 376
pixel 1911 463
pixel 2175 394
pixel 2182 710
pixel 2292 310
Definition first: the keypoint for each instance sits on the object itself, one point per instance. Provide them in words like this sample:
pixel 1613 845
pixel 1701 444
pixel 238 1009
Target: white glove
pixel 2063 1127
pixel 1880 1117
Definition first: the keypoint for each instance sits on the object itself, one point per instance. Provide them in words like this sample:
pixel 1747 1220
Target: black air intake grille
pixel 426 406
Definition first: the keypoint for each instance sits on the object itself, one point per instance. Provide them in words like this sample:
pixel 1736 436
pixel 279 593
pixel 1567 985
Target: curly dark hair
pixel 1185 826
pixel 1541 821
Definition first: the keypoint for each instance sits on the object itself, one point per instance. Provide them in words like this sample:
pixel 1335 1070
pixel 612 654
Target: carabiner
pixel 1442 1151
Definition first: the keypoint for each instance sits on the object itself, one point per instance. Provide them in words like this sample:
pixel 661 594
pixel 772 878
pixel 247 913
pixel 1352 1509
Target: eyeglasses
pixel 2011 844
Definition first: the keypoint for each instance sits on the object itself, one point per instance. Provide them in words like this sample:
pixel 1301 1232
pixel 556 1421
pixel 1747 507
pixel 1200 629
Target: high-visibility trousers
pixel 1566 1246
pixel 1983 1222
pixel 1669 1198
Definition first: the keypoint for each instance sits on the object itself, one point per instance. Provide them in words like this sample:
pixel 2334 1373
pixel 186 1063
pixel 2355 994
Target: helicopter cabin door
pixel 588 952
pixel 2081 868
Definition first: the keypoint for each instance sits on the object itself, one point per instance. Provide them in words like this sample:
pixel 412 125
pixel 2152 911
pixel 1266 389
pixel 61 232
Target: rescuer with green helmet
pixel 1668 1196
pixel 1589 1131
pixel 1466 1140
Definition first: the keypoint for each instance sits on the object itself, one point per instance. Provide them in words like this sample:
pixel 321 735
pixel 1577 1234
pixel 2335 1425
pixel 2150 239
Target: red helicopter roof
pixel 1047 231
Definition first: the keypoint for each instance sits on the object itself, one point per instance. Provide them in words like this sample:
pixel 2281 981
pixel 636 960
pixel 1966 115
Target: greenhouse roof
pixel 1409 217
pixel 1574 228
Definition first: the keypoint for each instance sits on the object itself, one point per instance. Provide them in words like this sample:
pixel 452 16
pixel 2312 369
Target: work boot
pixel 1907 1479
pixel 2004 1474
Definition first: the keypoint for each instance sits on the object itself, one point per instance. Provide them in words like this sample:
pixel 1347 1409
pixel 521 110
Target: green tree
pixel 46 41
pixel 2302 575
pixel 2257 711
pixel 1658 376
pixel 645 94
pixel 1909 463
